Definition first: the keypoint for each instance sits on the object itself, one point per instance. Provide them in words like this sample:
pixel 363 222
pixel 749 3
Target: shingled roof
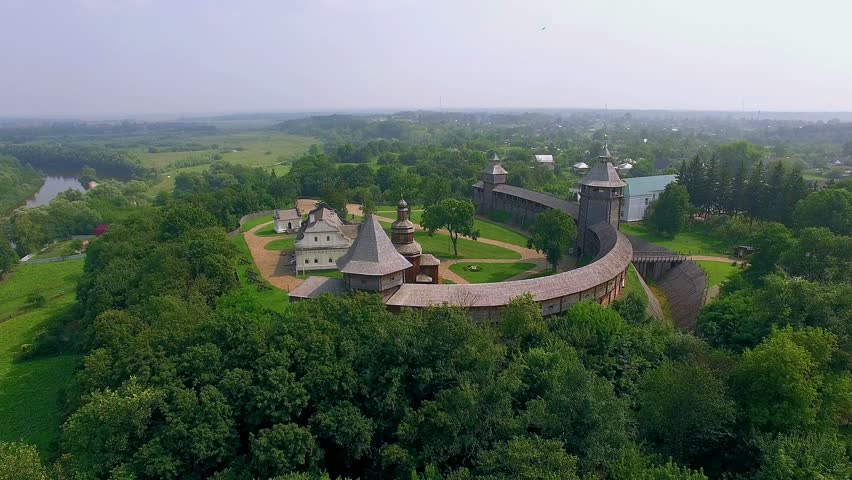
pixel 540 198
pixel 615 255
pixel 602 173
pixel 372 253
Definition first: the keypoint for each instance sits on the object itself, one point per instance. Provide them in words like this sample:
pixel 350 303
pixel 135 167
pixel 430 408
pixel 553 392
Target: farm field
pixel 30 390
pixel 490 272
pixel 690 242
pixel 254 148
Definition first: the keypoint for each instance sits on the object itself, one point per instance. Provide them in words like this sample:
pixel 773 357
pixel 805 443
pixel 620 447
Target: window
pixel 306 260
pixel 330 261
pixel 327 238
pixel 316 239
pixel 646 200
pixel 316 260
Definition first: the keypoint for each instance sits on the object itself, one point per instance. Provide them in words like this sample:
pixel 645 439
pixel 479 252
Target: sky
pixel 134 57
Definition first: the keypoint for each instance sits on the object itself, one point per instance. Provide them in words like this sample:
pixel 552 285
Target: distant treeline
pixel 107 163
pixel 24 133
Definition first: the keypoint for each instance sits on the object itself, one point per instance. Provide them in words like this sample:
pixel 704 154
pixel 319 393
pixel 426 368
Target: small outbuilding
pixel 287 221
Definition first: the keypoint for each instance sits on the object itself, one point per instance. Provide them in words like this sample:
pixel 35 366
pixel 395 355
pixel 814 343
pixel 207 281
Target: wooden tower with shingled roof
pixel 601 194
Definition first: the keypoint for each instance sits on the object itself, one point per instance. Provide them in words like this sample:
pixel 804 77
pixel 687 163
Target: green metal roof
pixel 645 185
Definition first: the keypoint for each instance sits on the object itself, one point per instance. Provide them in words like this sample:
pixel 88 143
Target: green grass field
pixel 286 243
pixel 717 272
pixel 271 149
pixel 490 272
pixel 30 390
pixel 273 299
pixel 253 223
pixel 693 242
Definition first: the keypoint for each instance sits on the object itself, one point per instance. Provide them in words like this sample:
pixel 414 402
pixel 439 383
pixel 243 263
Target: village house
pixel 545 161
pixel 322 240
pixel 640 193
pixel 287 221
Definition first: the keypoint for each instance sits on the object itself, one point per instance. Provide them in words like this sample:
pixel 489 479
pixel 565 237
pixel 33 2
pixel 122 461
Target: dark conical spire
pixel 605 155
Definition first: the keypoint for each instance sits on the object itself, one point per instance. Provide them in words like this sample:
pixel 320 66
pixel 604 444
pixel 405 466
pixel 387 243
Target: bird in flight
pixel 543 28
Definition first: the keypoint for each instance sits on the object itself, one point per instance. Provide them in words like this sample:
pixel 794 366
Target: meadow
pixel 253 148
pixel 31 390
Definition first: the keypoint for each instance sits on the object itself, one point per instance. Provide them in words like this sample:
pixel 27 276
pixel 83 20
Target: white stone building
pixel 640 193
pixel 322 240
pixel 287 221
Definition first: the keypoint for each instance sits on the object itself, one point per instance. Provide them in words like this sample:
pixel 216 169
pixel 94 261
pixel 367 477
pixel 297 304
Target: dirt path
pixel 712 258
pixel 272 265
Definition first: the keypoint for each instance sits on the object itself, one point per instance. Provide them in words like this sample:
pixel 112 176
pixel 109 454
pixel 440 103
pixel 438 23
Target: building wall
pixel 281 226
pixel 636 206
pixel 604 294
pixel 318 259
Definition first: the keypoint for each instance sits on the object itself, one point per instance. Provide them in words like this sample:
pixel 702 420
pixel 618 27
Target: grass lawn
pixel 440 246
pixel 691 242
pixel 253 223
pixel 268 231
pixel 273 299
pixel 286 243
pixel 58 249
pixel 322 273
pixel 487 229
pixel 490 272
pixel 30 390
pixel 717 272
pixel 633 284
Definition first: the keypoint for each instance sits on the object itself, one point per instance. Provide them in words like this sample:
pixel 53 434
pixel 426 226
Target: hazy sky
pixel 119 57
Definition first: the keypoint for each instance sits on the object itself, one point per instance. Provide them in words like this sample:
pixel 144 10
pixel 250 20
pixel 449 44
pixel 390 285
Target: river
pixel 51 188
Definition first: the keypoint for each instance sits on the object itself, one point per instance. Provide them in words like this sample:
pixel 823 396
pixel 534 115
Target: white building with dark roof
pixel 322 240
pixel 287 221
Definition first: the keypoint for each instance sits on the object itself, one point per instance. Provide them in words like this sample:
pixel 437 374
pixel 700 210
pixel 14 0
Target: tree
pixel 771 240
pixel 668 213
pixel 830 208
pixel 756 201
pixel 643 168
pixel 803 457
pixel 777 383
pixel 19 461
pixel 553 233
pixel 528 458
pixel 453 215
pixel 684 411
pixel 282 448
pixel 8 257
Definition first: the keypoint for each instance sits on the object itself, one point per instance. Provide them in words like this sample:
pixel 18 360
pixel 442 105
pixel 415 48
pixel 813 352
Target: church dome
pixel 402 203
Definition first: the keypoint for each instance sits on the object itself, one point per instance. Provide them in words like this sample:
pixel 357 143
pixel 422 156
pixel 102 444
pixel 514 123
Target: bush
pixel 36 300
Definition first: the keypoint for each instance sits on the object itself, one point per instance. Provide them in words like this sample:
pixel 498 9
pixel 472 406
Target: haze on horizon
pixel 125 57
